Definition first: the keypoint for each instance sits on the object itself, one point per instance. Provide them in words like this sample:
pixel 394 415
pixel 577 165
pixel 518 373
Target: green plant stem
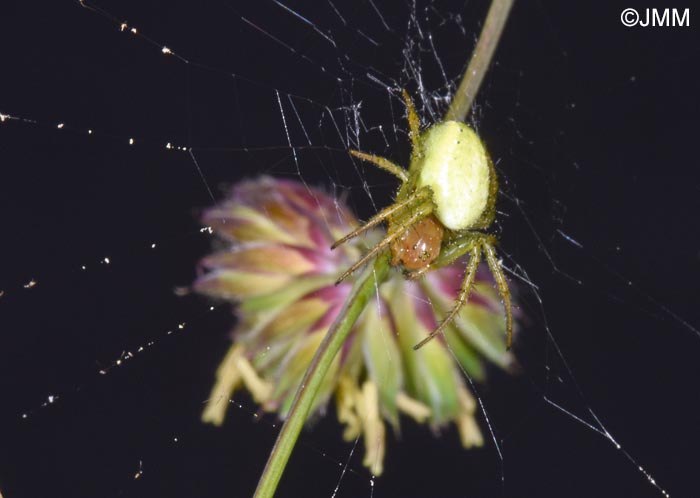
pixel 363 290
pixel 479 63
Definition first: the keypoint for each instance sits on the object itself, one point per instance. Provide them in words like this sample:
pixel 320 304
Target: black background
pixel 594 128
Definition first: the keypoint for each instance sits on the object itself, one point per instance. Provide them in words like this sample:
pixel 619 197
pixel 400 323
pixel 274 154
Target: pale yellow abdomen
pixel 455 166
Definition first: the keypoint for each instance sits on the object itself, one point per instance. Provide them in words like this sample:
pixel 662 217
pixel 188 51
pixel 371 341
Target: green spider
pixel 446 201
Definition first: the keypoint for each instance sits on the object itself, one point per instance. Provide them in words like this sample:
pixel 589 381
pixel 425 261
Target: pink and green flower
pixel 277 268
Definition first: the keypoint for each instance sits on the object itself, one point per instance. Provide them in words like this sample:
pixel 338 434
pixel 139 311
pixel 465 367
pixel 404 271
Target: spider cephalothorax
pixel 446 200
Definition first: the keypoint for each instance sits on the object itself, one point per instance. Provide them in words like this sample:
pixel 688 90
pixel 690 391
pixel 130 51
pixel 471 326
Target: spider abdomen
pixel 455 165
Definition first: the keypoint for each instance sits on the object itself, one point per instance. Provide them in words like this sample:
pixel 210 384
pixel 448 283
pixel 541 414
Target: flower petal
pixel 237 285
pixel 245 224
pixel 430 371
pixel 480 327
pixel 382 358
pixel 275 339
pixel 291 371
pixel 228 378
pixel 263 259
pixel 373 428
pixel 469 431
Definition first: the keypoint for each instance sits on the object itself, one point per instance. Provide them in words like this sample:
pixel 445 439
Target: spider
pixel 446 201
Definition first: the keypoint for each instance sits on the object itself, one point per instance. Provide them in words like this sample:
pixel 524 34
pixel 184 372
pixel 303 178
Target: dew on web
pixel 107 353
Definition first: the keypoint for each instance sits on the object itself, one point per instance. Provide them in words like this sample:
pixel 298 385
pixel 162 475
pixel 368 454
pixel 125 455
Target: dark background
pixel 594 129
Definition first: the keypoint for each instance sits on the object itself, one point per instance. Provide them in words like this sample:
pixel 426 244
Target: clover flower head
pixel 276 266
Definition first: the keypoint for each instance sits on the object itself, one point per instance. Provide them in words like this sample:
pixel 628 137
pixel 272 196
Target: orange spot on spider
pixel 418 246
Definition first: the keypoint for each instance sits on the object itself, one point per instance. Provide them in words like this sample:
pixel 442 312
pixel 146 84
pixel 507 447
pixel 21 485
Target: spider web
pixel 122 121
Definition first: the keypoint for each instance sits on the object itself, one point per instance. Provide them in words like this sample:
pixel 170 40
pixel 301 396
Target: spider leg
pixel 420 213
pixel 502 284
pixel 416 274
pixel 382 163
pixel 474 258
pixel 452 251
pixel 420 195
pixel 479 242
pixel 413 122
